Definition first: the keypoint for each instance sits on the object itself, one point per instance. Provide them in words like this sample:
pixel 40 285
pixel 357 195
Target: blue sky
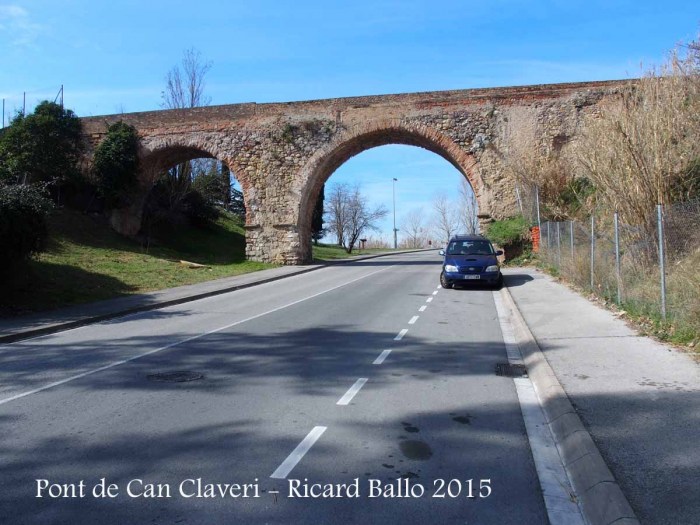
pixel 113 56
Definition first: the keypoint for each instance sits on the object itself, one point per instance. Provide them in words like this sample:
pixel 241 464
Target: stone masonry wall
pixel 283 153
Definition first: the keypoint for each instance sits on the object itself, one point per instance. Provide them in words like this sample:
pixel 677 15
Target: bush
pixel 115 165
pixel 44 146
pixel 508 231
pixel 511 234
pixel 24 211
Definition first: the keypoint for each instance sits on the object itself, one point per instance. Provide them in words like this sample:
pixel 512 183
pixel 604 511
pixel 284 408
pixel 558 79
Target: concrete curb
pixel 601 500
pixel 120 312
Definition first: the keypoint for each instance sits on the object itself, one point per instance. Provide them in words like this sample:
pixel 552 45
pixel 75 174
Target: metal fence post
pixel 662 261
pixel 571 235
pixel 558 245
pixel 617 260
pixel 592 251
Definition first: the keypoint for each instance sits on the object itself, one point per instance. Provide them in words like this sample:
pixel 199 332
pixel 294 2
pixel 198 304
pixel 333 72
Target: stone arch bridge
pixel 282 153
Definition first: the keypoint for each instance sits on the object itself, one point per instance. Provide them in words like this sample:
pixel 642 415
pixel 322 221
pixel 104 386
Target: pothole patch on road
pixel 409 427
pixel 417 450
pixel 180 376
pixel 508 370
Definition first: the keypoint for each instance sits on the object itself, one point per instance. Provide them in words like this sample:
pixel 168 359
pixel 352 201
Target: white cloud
pixel 17 24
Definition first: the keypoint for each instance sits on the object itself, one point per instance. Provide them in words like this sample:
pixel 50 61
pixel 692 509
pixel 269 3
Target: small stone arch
pixel 374 134
pixel 156 155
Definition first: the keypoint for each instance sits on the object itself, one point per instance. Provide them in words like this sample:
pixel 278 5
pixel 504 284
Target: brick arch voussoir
pixel 156 155
pixel 359 138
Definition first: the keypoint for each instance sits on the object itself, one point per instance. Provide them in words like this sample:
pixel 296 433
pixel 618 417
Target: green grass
pixel 86 261
pixel 329 252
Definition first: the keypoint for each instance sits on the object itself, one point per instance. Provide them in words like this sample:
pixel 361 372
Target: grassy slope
pixel 327 252
pixel 87 261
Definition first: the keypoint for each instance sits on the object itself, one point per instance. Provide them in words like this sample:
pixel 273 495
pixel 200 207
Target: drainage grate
pixel 508 370
pixel 175 377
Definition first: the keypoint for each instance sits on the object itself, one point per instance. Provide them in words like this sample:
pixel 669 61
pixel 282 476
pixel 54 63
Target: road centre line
pixel 435 292
pixel 401 334
pixel 413 319
pixel 429 300
pixel 352 391
pixel 183 341
pixel 298 453
pixel 379 360
pixel 422 308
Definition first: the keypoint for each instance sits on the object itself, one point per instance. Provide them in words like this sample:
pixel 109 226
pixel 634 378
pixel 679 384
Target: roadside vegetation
pixel 640 150
pixel 85 260
pixel 329 252
pixel 56 244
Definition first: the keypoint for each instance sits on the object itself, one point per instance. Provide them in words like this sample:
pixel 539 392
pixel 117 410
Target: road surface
pixel 359 393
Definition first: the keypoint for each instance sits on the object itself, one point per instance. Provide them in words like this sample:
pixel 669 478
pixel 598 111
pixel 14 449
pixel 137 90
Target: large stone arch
pixel 157 155
pixel 370 135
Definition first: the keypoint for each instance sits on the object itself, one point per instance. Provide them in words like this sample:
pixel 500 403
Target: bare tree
pixel 413 225
pixel 185 88
pixel 468 212
pixel 445 217
pixel 349 215
pixel 336 209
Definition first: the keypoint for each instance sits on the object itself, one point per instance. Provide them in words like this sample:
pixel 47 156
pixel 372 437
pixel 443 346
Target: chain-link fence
pixel 626 263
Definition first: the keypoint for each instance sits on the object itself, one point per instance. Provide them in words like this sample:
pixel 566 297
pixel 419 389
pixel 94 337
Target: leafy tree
pixel 317 231
pixel 44 146
pixel 24 211
pixel 115 165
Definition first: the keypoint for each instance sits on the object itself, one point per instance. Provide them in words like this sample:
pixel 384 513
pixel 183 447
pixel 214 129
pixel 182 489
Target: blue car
pixel 470 259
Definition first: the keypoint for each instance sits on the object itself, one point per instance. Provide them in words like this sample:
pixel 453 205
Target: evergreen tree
pixel 317 231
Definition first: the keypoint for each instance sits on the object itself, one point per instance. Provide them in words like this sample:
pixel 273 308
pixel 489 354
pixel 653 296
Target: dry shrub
pixel 642 148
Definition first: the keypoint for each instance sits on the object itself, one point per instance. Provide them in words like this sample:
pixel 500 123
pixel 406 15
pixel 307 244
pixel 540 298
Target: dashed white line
pixel 429 300
pixel 298 453
pixel 379 360
pixel 439 286
pixel 413 319
pixel 352 392
pixel 422 308
pixel 435 292
pixel 401 334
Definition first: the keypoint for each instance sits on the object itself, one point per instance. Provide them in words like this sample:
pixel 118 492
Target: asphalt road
pixel 278 363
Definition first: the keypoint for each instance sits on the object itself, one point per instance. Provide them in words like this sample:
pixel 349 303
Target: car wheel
pixel 444 282
pixel 499 283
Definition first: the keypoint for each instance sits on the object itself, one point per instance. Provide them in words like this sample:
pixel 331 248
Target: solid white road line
pixel 177 343
pixel 298 453
pixel 352 392
pixel 557 493
pixel 413 319
pixel 379 360
pixel 429 300
pixel 401 334
pixel 422 308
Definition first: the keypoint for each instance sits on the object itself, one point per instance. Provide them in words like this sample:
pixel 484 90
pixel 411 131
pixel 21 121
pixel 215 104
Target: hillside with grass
pixel 86 260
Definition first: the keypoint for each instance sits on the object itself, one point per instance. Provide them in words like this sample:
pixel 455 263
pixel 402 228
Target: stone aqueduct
pixel 282 153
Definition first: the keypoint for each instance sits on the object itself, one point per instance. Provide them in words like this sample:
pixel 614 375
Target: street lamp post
pixel 393 191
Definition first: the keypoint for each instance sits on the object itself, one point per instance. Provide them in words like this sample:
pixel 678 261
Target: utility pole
pixel 393 191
